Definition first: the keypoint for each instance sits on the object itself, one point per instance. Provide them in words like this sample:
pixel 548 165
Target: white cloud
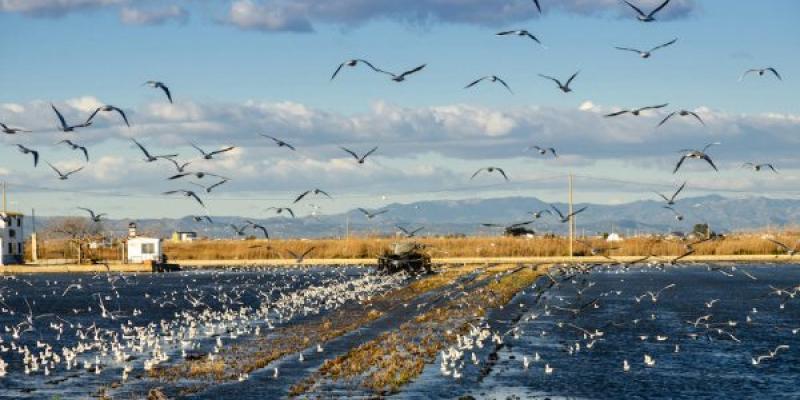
pixel 136 16
pixel 52 7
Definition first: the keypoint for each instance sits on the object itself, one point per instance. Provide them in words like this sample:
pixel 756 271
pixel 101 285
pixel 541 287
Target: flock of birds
pixel 183 168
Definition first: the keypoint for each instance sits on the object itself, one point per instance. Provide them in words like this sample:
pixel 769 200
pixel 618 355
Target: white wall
pixel 136 247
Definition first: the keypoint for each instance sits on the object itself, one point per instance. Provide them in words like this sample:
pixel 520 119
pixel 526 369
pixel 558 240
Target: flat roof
pixel 12 214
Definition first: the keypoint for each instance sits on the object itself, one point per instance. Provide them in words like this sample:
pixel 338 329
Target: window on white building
pixel 12 233
pixel 148 248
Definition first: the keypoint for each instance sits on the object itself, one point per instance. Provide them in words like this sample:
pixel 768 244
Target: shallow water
pixel 712 365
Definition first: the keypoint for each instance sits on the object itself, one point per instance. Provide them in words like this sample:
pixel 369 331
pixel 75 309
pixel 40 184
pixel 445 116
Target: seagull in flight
pixel 790 251
pixel 697 155
pixel 77 147
pixel 671 200
pixel 520 32
pixel 34 153
pixel 408 232
pixel 279 142
pixel 162 86
pixel 180 167
pixel 198 175
pixel 280 210
pixel 262 228
pixel 636 111
pixel 647 17
pixel 95 217
pixel 490 78
pixel 151 158
pixel 212 187
pixel 11 131
pixel 301 257
pixel 543 150
pixel 759 167
pixel 358 158
pixel 761 72
pixel 681 113
pixel 648 53
pixel 64 176
pixel 210 155
pixel 565 219
pixel 678 216
pixel 402 76
pixel 109 108
pixel 187 193
pixel 353 63
pixel 538 214
pixel 372 214
pixel 315 191
pixel 64 126
pixel 564 87
pixel 489 170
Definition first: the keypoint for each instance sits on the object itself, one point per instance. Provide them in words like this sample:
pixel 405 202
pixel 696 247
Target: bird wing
pixel 91 117
pixel 571 78
pixel 194 195
pixel 351 152
pixel 708 159
pixel 674 195
pixel 557 211
pixel 711 144
pixel 552 79
pixel 74 171
pixel 178 176
pixel 220 183
pixel 288 145
pixel 505 84
pixel 290 211
pixel 166 91
pixel 618 113
pixel 661 46
pixel 694 114
pixel 505 33
pixel 227 149
pixel 663 121
pixel 538 7
pixel 369 152
pixel 374 68
pixel 781 245
pixel 748 72
pixel 770 69
pixel 409 72
pixel 198 149
pixel 307 252
pixel 337 71
pixel 628 49
pixel 678 166
pixel 771 167
pixel 476 173
pixel 653 107
pixel 296 257
pixel 319 191
pixel 146 153
pixel 500 170
pixel 55 169
pixel 577 212
pixel 659 8
pixel 475 82
pixel 91 213
pixel 379 212
pixel 635 8
pixel 365 212
pixel 60 117
pixel 300 197
pixel 85 152
pixel 662 196
pixel 122 113
pixel 534 38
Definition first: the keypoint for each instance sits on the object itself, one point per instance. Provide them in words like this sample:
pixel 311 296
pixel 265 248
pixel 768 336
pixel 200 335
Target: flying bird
pixel 697 155
pixel 543 150
pixel 372 214
pixel 402 76
pixel 77 147
pixel 11 131
pixel 301 257
pixel 64 176
pixel 647 53
pixel 307 192
pixel 210 155
pixel 240 231
pixel 681 113
pixel 34 153
pixel 109 108
pixel 198 175
pixel 647 17
pixel 565 219
pixel 358 158
pixel 64 126
pixel 187 193
pixel 678 216
pixel 489 170
pixel 490 78
pixel 790 251
pixel 520 32
pixel 759 167
pixel 564 87
pixel 408 232
pixel 179 166
pixel 212 187
pixel 671 200
pixel 353 63
pixel 277 141
pixel 151 158
pixel 259 227
pixel 761 72
pixel 162 86
pixel 636 111
pixel 280 210
pixel 94 216
pixel 538 214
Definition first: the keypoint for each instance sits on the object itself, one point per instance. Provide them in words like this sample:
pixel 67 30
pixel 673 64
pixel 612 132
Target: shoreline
pixel 202 264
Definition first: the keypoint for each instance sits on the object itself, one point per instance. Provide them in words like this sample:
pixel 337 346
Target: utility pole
pixel 571 220
pixel 5 203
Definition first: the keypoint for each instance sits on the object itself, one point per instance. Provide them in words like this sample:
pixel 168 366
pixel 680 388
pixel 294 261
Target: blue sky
pixel 267 70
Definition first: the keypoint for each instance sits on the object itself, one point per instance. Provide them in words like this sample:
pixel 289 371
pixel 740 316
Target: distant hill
pixel 466 216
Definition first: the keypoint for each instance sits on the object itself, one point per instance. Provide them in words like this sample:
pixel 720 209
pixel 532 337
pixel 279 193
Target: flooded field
pixel 251 333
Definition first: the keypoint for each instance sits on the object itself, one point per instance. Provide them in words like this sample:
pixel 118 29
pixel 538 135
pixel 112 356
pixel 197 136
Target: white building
pixel 142 249
pixel 12 238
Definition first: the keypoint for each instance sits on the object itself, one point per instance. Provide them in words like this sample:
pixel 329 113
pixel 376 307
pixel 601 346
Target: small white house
pixel 142 249
pixel 12 238
pixel 614 237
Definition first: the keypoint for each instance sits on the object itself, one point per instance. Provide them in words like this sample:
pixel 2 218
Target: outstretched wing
pixel 505 84
pixel 628 49
pixel 571 78
pixel 661 46
pixel 473 83
pixel 659 8
pixel 350 152
pixel 61 117
pixel 678 166
pixel 635 8
pixel 677 192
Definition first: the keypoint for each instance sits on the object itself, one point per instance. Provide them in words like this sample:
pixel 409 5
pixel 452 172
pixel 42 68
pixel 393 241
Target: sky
pixel 241 68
